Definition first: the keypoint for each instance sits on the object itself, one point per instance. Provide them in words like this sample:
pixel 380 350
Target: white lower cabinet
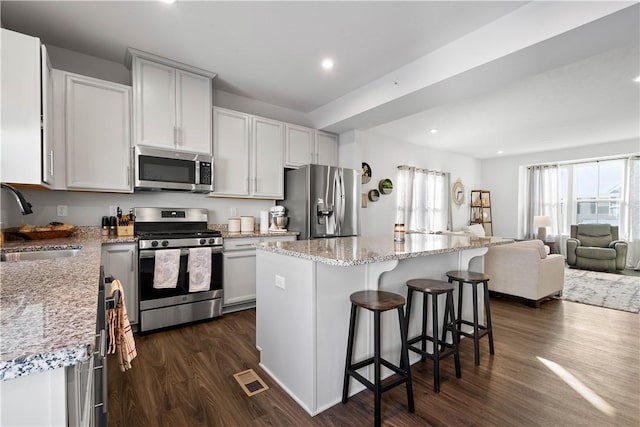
pixel 120 260
pixel 239 256
pixel 38 399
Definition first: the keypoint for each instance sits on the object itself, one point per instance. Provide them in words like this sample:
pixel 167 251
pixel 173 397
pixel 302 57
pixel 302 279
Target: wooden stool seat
pixel 474 279
pixel 441 348
pixel 468 276
pixel 377 300
pixel 431 286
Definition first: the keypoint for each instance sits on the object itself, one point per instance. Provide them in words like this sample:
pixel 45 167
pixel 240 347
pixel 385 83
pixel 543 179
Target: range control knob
pixel 165 243
pixel 203 241
pixel 212 241
pixel 154 243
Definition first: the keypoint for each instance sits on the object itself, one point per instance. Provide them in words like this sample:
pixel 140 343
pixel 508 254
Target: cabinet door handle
pixel 133 260
pixel 255 185
pixel 128 175
pixel 175 135
pixel 103 343
pixel 51 162
pixel 248 185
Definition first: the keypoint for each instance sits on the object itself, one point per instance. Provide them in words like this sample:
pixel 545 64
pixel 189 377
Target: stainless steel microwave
pixel 160 169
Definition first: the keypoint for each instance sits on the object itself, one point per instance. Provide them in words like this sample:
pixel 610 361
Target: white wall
pixel 501 177
pixel 384 155
pixel 88 208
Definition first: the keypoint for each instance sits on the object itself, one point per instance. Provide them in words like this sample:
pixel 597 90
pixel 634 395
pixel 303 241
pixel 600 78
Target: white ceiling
pixel 573 92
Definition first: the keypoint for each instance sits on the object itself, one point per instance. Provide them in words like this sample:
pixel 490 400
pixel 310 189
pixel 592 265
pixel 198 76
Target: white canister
pixel 234 225
pixel 247 224
pixel 264 221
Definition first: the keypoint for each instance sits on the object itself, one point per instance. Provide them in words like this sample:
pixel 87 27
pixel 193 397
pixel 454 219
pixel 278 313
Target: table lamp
pixel 542 222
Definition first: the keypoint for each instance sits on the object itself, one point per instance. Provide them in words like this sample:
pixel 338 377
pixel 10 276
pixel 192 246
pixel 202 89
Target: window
pixel 598 192
pixel 423 200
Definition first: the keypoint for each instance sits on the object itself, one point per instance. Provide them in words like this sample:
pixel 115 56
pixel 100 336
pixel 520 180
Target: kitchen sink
pixel 37 255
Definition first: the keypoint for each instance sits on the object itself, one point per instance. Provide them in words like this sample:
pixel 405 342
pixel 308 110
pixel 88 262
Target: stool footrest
pixel 369 361
pixel 444 353
pixel 387 383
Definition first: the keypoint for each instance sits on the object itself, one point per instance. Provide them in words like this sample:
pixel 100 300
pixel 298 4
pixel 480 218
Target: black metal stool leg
pixel 476 332
pixel 436 345
pixel 487 309
pixel 459 318
pixel 423 336
pixel 454 336
pixel 347 365
pixel 376 368
pixel 404 356
pixel 406 323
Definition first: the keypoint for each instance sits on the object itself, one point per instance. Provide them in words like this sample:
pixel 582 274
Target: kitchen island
pixel 302 312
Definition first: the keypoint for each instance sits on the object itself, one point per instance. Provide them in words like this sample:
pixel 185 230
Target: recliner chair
pixel 596 247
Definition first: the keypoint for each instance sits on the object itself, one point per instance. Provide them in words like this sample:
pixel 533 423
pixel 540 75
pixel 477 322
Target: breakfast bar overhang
pixel 302 303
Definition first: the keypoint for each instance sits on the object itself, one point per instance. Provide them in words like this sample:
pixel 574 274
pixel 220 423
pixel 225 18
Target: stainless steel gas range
pixel 179 267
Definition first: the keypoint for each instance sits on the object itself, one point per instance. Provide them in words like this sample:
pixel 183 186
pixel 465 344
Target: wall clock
pixel 457 193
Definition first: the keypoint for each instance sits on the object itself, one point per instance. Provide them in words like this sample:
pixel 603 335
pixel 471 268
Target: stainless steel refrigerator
pixel 322 201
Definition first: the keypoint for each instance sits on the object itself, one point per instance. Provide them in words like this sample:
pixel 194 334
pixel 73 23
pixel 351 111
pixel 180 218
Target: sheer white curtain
pixel 423 200
pixel 630 211
pixel 543 196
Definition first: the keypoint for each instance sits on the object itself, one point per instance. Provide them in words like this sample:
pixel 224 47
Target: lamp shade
pixel 541 221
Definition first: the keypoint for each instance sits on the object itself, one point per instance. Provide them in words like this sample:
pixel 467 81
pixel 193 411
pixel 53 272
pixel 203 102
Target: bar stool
pixel 474 279
pixel 441 348
pixel 377 302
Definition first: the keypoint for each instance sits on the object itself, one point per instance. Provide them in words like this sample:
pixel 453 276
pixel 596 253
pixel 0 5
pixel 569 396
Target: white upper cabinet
pixel 299 146
pixel 267 143
pixel 247 152
pixel 172 104
pixel 98 134
pixel 22 120
pixel 231 153
pixel 305 145
pixel 326 148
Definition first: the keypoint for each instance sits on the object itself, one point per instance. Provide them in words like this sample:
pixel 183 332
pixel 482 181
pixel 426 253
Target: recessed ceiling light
pixel 327 63
pixel 434 130
pixel 637 79
pixel 500 152
pixel 168 1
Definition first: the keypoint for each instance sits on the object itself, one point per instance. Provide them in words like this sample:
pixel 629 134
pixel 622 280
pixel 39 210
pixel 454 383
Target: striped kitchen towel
pixel 120 334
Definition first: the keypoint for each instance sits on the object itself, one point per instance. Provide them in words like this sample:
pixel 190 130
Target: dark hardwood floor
pixel 184 377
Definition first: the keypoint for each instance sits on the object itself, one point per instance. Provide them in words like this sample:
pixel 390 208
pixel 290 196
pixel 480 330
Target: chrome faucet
pixel 25 207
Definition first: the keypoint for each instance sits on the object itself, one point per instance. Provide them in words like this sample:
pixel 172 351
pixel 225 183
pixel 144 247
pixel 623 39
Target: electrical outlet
pixel 113 210
pixel 62 210
pixel 279 282
pixel 233 212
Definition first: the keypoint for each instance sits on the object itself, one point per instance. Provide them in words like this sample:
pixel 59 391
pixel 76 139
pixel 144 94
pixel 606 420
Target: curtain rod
pixel 578 162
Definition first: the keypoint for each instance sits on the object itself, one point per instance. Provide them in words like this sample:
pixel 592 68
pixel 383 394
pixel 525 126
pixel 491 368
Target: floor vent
pixel 250 382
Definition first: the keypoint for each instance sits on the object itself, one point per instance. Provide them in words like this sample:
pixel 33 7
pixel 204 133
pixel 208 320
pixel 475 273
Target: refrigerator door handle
pixel 339 194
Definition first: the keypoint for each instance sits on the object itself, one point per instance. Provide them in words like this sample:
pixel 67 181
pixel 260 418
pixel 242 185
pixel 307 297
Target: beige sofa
pixel 525 270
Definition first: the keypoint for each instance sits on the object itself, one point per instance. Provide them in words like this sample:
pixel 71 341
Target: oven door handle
pixel 151 253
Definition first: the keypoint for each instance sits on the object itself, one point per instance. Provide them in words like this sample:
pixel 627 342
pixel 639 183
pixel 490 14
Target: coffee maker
pixel 278 219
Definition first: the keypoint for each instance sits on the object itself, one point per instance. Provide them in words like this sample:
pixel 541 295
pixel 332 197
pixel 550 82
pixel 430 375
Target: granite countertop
pixel 349 251
pixel 48 307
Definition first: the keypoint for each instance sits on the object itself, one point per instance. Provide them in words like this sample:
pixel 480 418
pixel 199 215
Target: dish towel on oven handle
pixel 166 268
pixel 120 334
pixel 199 269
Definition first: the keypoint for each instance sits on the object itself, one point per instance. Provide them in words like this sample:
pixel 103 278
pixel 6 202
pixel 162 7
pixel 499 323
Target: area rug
pixel 602 289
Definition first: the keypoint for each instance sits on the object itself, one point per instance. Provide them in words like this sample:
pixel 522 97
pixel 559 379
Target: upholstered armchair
pixel 596 247
pixel 525 270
